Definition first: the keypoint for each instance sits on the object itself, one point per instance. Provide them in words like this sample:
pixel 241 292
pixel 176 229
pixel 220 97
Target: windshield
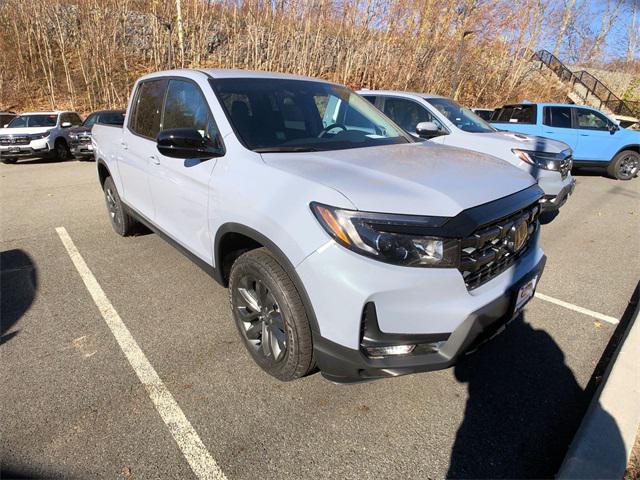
pixel 281 115
pixel 44 120
pixel 461 117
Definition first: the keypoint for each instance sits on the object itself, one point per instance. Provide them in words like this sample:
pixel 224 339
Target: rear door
pixel 139 152
pixel 557 123
pixel 594 140
pixel 180 187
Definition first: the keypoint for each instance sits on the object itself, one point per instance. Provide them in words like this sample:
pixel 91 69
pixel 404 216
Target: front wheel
pixel 9 160
pixel 61 151
pixel 270 316
pixel 625 165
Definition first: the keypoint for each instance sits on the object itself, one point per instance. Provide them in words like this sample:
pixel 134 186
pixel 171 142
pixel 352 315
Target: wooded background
pixel 86 54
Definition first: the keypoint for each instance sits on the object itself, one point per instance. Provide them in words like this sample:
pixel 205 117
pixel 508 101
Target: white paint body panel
pixel 271 193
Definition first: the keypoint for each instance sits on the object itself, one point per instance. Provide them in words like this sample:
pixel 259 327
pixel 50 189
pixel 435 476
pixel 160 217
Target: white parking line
pixel 576 308
pixel 196 454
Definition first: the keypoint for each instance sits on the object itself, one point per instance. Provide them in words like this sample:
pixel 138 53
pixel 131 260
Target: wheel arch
pixel 103 171
pixel 633 147
pixel 233 239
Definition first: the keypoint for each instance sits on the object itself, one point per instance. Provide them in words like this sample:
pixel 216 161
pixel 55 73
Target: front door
pixel 180 187
pixel 594 136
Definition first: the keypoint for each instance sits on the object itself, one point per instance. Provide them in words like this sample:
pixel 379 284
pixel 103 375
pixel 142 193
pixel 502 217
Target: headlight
pixel 399 239
pixel 547 161
pixel 73 136
pixel 38 136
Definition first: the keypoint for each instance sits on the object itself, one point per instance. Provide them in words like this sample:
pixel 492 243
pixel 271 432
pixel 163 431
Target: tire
pixel 61 151
pixel 9 160
pixel 121 221
pixel 625 165
pixel 265 302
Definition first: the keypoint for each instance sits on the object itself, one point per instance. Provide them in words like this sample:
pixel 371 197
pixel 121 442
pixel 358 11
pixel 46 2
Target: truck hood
pixel 24 130
pixel 417 179
pixel 522 141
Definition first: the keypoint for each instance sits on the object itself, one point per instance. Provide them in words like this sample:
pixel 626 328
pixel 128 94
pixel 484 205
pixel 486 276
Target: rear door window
pixel 559 117
pixel 147 109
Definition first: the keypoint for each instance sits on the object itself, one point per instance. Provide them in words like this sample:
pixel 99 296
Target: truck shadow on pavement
pixel 523 410
pixel 19 284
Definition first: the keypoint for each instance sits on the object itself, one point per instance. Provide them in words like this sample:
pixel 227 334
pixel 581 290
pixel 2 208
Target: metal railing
pixel 593 86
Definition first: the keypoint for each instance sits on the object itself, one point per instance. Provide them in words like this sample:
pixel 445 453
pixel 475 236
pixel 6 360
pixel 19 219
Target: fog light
pixel 390 350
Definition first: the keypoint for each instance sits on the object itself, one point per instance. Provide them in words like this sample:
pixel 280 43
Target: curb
pixel 602 445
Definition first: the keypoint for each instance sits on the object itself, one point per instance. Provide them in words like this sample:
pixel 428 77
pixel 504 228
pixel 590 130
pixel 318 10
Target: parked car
pixel 344 243
pixel 80 136
pixel 38 134
pixel 483 113
pixel 5 118
pixel 442 120
pixel 596 140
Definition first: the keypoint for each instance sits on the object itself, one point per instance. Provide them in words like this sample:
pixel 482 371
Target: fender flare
pixel 632 146
pixel 232 227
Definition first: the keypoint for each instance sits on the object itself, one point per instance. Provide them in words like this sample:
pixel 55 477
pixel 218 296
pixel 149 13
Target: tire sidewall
pixel 250 265
pixel 615 164
pixel 118 227
pixel 61 149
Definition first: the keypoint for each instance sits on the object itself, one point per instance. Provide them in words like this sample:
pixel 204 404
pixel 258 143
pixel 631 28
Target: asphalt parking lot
pixel 72 406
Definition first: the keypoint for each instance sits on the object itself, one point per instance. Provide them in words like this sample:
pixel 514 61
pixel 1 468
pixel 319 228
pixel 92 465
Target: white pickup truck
pixel 345 245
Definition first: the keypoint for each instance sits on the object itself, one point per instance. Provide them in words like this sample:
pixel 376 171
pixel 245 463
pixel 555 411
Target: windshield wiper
pixel 284 148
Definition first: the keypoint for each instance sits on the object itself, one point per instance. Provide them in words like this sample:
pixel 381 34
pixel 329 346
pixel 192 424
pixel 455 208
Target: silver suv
pixel 38 134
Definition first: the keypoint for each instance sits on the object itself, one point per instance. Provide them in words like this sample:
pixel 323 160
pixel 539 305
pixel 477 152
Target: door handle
pixel 124 145
pixel 155 160
pixel 584 134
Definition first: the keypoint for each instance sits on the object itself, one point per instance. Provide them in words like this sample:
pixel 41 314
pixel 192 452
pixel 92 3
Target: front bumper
pixel 554 202
pixel 82 149
pixel 37 148
pixel 345 365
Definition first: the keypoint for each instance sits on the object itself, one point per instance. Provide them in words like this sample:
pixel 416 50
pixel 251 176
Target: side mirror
pixel 428 130
pixel 65 124
pixel 187 143
pixel 613 128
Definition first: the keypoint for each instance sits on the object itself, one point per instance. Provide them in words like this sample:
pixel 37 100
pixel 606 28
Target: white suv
pixel 442 120
pixel 38 134
pixel 344 243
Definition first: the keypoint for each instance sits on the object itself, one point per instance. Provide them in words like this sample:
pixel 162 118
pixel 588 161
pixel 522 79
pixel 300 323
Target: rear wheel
pixel 270 316
pixel 625 165
pixel 123 223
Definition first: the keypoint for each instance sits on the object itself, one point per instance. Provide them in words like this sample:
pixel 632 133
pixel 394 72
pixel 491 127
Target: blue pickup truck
pixel 596 140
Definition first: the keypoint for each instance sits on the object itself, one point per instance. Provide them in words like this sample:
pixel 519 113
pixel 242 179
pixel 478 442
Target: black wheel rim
pixel 261 320
pixel 628 166
pixel 112 206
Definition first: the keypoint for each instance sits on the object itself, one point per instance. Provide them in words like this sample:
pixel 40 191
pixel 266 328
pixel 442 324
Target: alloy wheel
pixel 628 167
pixel 264 325
pixel 112 206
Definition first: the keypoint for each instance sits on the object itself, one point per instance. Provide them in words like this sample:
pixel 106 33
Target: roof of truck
pixel 231 73
pixel 399 93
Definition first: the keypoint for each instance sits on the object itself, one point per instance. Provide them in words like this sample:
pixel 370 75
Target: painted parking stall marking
pixel 194 451
pixel 576 308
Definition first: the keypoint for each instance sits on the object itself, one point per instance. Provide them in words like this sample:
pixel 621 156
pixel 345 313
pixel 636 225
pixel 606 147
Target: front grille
pixel 489 251
pixel 84 137
pixel 15 140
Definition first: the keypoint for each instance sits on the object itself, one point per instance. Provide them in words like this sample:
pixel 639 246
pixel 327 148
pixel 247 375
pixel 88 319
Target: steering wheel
pixel 331 127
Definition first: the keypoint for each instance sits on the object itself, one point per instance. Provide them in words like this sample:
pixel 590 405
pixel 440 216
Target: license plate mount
pixel 525 293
